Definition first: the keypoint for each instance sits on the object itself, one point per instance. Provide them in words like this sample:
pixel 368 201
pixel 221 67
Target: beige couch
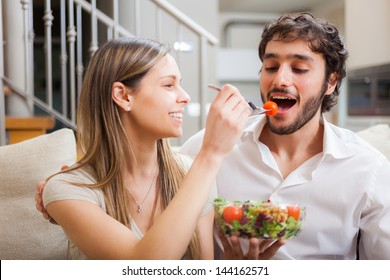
pixel 379 137
pixel 24 234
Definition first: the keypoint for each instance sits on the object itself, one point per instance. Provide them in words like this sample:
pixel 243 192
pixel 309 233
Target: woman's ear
pixel 120 95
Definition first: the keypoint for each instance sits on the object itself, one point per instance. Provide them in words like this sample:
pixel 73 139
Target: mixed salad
pixel 258 219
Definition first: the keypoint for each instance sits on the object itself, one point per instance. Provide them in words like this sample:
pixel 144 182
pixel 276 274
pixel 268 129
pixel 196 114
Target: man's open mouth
pixel 284 103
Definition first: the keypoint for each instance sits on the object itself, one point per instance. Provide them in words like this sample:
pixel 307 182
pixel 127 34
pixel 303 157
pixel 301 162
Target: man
pixel 297 156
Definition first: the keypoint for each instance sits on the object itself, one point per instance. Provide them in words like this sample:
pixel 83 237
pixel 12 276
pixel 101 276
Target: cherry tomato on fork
pixel 231 213
pixel 272 106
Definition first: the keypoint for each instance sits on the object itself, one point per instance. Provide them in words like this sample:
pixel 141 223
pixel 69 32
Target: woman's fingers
pixel 229 100
pixel 39 201
pixel 38 196
pixel 236 248
pixel 253 251
pixel 64 167
pixel 259 249
pixel 231 247
pixel 226 120
pixel 270 250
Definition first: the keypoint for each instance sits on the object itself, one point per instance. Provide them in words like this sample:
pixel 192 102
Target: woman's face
pixel 158 105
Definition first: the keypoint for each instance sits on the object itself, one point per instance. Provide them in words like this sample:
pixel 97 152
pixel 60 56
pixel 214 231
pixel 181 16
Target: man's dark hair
pixel 322 37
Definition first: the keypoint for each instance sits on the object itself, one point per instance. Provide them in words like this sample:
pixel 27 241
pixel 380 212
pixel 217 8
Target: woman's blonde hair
pixel 100 133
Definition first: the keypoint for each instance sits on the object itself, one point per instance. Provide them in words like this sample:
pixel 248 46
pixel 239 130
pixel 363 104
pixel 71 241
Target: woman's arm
pixel 205 229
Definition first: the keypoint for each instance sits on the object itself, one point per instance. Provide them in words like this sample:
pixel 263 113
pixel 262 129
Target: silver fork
pixel 255 110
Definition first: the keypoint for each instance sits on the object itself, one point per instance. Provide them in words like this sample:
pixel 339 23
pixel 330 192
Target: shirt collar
pixel 334 141
pixel 253 128
pixel 335 144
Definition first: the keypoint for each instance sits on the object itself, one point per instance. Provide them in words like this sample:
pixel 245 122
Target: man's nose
pixel 282 77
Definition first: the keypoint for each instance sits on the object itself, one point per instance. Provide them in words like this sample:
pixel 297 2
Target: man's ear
pixel 120 95
pixel 332 82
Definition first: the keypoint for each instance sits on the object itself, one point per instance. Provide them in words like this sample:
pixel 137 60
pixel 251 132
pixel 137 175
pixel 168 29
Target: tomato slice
pixel 272 106
pixel 294 211
pixel 232 213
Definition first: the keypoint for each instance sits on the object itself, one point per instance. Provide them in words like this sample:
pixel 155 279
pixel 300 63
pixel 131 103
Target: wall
pixel 367 32
pixel 205 13
pixel 238 61
pixel 334 13
pixel 367 26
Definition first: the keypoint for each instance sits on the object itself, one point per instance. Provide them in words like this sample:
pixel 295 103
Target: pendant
pixel 139 209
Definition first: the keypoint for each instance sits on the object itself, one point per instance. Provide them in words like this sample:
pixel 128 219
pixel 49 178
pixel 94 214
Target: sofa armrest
pixel 378 136
pixel 25 234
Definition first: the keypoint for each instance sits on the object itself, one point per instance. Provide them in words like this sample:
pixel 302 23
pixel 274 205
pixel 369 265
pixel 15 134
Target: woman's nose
pixel 183 97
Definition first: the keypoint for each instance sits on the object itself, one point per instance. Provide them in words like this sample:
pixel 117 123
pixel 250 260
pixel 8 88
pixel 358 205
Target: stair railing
pixel 73 34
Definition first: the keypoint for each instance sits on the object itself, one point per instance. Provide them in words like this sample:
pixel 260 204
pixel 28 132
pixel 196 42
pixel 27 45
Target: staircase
pixel 43 67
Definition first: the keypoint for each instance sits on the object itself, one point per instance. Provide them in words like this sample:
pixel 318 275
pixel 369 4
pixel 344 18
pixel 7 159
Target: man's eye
pixel 168 85
pixel 300 71
pixel 271 69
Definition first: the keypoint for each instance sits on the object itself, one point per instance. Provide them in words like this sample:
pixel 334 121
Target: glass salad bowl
pixel 266 220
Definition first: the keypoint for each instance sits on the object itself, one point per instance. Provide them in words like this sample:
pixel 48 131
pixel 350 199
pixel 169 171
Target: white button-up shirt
pixel 345 189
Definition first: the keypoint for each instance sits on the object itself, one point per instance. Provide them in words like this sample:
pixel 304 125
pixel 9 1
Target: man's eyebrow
pixel 301 57
pixel 269 55
pixel 291 56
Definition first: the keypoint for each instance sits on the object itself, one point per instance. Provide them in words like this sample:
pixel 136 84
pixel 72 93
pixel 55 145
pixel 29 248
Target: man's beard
pixel 308 111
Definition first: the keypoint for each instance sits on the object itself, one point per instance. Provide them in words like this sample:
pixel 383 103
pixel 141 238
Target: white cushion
pixel 24 233
pixel 379 137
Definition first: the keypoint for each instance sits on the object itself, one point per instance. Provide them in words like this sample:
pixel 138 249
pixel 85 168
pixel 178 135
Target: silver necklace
pixel 139 205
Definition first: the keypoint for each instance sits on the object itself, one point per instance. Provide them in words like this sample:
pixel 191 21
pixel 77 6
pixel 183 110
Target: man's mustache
pixel 283 90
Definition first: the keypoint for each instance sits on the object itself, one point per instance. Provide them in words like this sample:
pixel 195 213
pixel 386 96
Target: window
pixel 369 91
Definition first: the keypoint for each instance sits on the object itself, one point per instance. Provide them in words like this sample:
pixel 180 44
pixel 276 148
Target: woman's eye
pixel 168 85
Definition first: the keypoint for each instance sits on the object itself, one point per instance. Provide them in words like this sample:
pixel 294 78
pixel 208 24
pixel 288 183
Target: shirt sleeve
pixel 63 187
pixel 192 146
pixel 375 226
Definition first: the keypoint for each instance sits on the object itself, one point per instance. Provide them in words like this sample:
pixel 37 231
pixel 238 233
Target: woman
pixel 130 196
